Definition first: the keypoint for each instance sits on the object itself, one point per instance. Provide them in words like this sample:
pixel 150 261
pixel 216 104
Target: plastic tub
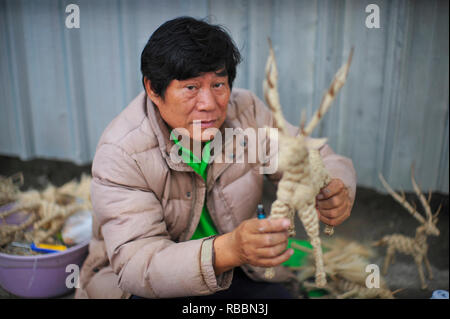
pixel 40 276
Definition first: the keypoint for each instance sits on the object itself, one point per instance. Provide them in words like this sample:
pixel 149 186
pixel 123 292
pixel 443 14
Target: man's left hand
pixel 333 203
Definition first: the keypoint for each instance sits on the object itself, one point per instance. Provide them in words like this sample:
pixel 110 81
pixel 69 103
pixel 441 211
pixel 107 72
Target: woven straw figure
pixel 345 264
pixel 47 211
pixel 9 188
pixel 299 160
pixel 343 289
pixel 417 247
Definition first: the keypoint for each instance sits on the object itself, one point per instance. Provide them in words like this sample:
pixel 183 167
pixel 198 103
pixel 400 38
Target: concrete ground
pixel 374 215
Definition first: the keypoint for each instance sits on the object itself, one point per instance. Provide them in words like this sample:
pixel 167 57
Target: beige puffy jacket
pixel 147 207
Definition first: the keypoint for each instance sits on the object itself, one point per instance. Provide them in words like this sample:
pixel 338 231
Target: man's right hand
pixel 258 242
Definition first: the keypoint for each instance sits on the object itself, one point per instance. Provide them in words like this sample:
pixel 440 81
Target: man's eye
pixel 218 85
pixel 190 87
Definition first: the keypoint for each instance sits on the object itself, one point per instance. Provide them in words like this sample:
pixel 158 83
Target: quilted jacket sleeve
pixel 148 263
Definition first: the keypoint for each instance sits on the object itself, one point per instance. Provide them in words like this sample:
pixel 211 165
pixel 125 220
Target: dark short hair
pixel 185 47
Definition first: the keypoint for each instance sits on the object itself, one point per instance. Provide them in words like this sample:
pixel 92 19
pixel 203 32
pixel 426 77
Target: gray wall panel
pixel 60 87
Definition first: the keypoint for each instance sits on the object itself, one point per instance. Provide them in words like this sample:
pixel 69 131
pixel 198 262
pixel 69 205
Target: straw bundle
pixel 46 211
pixel 345 264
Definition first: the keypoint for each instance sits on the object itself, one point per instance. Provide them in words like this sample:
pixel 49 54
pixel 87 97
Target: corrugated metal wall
pixel 60 87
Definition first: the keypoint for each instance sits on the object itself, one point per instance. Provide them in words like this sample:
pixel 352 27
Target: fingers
pixel 271 239
pixel 335 221
pixel 333 188
pixel 271 252
pixel 334 217
pixel 272 262
pixel 270 225
pixel 335 201
pixel 263 242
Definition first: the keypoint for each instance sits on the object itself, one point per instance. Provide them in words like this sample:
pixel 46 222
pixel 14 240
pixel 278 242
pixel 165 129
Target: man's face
pixel 203 99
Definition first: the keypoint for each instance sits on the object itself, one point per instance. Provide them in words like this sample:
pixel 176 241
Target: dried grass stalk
pixel 345 264
pixel 47 210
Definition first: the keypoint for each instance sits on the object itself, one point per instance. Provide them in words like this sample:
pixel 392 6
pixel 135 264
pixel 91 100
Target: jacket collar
pixel 162 133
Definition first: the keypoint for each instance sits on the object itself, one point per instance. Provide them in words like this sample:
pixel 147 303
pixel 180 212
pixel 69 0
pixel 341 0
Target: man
pixel 165 228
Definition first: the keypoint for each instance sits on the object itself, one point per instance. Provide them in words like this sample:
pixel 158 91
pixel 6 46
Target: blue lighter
pixel 260 211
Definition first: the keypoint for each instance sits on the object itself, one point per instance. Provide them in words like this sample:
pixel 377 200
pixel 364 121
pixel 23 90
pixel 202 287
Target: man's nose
pixel 206 100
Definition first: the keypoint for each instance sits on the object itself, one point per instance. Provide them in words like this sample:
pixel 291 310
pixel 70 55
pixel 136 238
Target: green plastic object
pixel 298 259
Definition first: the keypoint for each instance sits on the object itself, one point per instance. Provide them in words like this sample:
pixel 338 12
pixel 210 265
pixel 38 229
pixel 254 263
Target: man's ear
pixel 148 87
pixel 150 93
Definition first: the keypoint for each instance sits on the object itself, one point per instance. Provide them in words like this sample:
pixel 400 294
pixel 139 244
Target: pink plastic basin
pixel 41 276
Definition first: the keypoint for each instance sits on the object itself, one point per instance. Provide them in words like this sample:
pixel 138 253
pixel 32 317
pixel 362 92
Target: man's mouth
pixel 204 123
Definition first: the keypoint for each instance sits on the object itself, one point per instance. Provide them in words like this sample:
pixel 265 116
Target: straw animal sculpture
pixel 343 289
pixel 416 247
pixel 10 188
pixel 47 211
pixel 299 159
pixel 345 263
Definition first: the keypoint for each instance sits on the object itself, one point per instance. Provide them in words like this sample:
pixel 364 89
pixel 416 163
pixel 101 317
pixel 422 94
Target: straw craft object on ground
pixel 416 247
pixel 345 264
pixel 46 211
pixel 10 188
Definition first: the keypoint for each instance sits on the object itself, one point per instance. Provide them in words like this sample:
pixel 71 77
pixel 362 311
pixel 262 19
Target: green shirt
pixel 205 226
